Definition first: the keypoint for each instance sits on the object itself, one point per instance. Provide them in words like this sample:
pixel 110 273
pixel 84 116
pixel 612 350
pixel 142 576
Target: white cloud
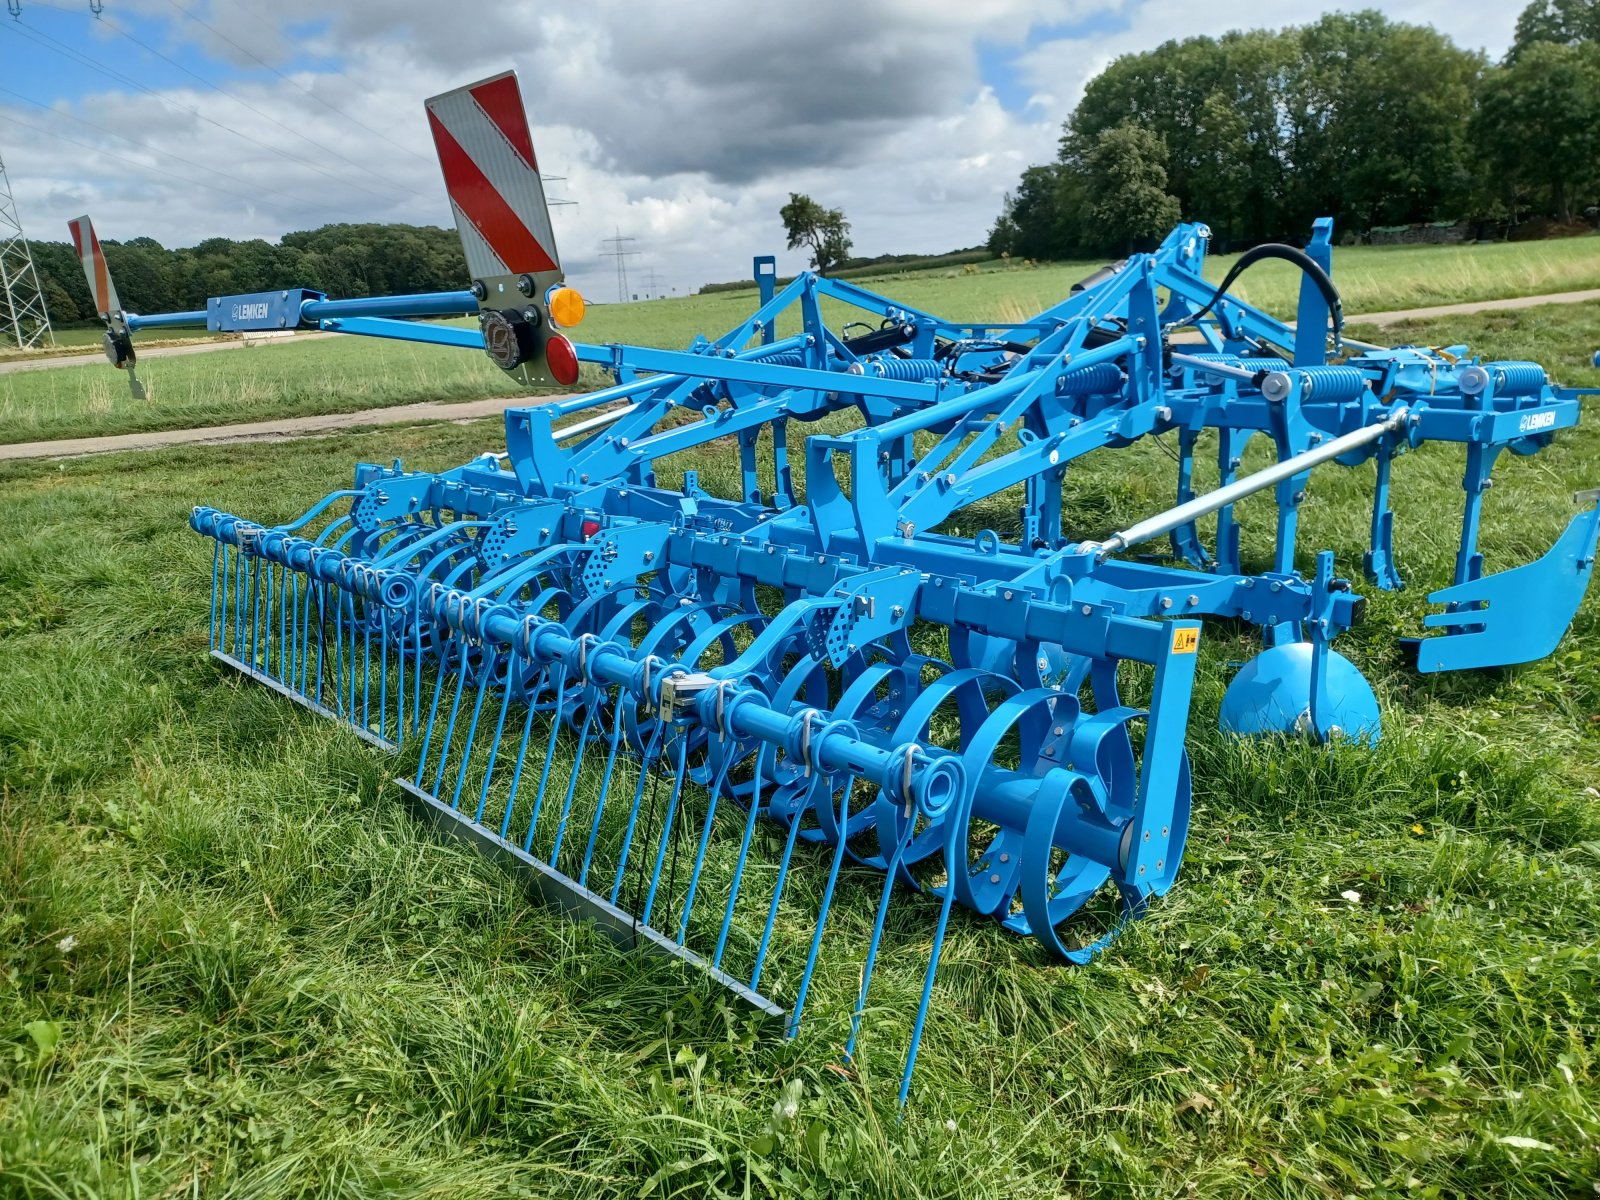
pixel 685 124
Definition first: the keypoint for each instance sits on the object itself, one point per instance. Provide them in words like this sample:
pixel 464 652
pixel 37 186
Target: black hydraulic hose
pixel 1293 254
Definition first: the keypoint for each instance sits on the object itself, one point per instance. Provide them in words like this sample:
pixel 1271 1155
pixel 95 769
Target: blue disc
pixel 1272 694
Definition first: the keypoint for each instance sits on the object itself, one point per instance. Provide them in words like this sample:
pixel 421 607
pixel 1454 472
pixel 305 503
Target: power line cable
pixel 289 79
pixel 43 39
pixel 153 150
pixel 61 137
pixel 265 116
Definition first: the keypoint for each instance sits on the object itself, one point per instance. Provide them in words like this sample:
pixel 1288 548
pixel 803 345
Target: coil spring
pixel 1516 378
pixel 1090 381
pixel 1333 385
pixel 908 370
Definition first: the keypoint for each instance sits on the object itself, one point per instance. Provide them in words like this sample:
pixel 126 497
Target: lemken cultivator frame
pixel 698 719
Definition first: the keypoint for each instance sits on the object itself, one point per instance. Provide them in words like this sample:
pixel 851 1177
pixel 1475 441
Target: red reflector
pixel 590 528
pixel 562 358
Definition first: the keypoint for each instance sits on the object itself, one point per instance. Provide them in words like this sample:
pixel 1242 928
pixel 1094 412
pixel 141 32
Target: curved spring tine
pixel 216 576
pixel 594 696
pixel 652 752
pixel 522 750
pixel 494 744
pixel 955 860
pixel 490 659
pixel 877 933
pixel 462 674
pixel 560 689
pixel 605 787
pixel 712 794
pixel 783 877
pixel 793 1025
pixel 667 825
pixel 433 715
pixel 738 866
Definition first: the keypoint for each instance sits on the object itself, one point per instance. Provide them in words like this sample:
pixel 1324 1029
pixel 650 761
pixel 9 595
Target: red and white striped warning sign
pixel 94 266
pixel 481 134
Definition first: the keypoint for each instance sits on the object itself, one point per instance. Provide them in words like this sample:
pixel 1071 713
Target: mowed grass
pixel 344 375
pixel 230 965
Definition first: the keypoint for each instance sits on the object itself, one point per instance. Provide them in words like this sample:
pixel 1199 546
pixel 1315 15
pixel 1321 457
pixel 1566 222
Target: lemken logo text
pixel 249 312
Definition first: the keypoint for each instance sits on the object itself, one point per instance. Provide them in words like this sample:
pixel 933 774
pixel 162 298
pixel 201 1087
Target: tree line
pixel 341 260
pixel 1374 122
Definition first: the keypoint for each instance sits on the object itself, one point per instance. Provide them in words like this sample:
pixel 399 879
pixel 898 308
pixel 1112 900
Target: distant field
pixel 346 375
pixel 230 965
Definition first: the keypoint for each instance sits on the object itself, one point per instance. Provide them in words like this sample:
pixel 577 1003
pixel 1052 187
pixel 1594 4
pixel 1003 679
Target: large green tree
pixel 1354 116
pixel 1125 181
pixel 1562 22
pixel 823 231
pixel 1217 105
pixel 1538 123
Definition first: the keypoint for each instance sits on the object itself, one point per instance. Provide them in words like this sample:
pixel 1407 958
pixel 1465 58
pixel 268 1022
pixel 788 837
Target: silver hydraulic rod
pixel 1200 506
pixel 1224 370
pixel 589 424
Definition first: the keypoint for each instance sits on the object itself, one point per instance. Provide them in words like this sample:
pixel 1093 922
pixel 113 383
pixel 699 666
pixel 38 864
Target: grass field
pixel 231 966
pixel 341 375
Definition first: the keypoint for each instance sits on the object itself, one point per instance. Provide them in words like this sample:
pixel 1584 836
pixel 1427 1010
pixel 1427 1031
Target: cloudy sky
pixel 682 123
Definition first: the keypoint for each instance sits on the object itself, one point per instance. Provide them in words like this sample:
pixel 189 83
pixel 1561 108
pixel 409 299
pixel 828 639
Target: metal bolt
pixel 1276 586
pixel 1166 602
pixel 1086 610
pixel 649 556
pixel 1059 731
pixel 1193 599
pixel 950 479
pixel 1008 594
pixel 1005 858
pixel 995 878
pixel 897 612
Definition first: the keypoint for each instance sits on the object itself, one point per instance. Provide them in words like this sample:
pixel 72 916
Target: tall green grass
pixel 231 966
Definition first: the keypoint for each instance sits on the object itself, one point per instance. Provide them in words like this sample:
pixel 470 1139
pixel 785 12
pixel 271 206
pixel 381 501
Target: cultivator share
pixel 699 720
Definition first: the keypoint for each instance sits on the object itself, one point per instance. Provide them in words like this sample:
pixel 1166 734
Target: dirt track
pixel 93 357
pixel 271 431
pixel 407 414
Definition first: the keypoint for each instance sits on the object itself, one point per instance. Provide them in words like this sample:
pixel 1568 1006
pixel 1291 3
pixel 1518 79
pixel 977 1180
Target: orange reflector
pixel 566 305
pixel 562 358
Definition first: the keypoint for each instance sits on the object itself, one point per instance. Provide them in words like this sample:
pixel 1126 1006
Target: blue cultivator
pixel 700 720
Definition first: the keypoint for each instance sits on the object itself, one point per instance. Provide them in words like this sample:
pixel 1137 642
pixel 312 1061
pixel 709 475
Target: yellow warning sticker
pixel 1185 641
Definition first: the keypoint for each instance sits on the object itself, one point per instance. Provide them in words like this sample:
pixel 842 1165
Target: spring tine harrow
pixel 777 724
